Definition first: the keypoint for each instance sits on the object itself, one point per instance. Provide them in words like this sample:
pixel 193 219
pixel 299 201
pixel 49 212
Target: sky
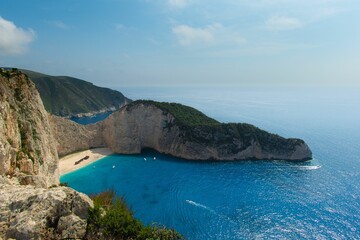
pixel 117 43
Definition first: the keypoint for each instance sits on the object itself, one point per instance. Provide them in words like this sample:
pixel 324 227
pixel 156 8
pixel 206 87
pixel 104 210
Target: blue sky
pixel 118 43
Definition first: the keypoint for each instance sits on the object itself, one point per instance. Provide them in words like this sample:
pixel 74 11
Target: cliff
pixel 67 96
pixel 27 149
pixel 29 209
pixel 180 131
pixel 72 137
pixel 184 132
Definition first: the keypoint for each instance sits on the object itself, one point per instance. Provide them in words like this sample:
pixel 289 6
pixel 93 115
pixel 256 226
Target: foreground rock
pixel 27 212
pixel 180 131
pixel 27 147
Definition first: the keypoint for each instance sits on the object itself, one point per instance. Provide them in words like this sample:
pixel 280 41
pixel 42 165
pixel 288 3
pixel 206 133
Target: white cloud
pixel 14 40
pixel 282 23
pixel 178 3
pixel 189 35
pixel 214 35
pixel 59 24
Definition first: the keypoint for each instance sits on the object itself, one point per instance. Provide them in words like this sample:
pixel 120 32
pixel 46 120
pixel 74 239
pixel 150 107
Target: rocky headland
pixel 178 130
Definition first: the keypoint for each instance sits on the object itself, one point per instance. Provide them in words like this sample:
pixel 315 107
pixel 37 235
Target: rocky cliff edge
pixel 27 146
pixel 29 209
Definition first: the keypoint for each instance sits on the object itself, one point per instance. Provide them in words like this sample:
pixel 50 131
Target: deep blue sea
pixel 319 199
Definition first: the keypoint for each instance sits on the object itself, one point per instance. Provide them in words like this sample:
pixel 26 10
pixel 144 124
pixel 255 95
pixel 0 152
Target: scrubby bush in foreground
pixel 111 219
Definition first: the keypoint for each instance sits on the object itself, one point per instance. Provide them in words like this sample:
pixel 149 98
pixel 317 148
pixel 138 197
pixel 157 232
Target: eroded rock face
pixel 143 125
pixel 72 137
pixel 28 166
pixel 130 130
pixel 27 212
pixel 27 147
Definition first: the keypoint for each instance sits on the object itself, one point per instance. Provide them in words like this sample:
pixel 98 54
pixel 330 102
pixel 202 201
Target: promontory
pixel 178 130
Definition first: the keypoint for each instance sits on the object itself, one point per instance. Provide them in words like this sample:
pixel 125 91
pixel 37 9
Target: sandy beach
pixel 67 163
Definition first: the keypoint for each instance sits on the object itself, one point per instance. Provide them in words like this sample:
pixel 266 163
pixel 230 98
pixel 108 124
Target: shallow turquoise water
pixel 251 199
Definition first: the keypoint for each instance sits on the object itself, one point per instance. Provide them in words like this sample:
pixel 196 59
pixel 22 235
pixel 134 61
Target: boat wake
pixel 309 167
pixel 199 205
pixel 210 210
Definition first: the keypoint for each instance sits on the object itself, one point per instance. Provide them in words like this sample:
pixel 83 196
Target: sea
pixel 91 119
pixel 318 199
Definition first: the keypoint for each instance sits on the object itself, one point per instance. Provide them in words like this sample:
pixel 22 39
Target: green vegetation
pixel 184 115
pixel 5 72
pixel 111 219
pixel 199 128
pixel 65 96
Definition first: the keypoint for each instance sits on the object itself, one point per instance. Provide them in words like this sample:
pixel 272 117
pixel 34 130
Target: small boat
pixel 154 158
pixel 144 159
pixel 113 166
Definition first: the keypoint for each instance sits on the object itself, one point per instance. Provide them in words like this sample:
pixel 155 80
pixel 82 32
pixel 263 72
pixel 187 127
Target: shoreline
pixel 67 163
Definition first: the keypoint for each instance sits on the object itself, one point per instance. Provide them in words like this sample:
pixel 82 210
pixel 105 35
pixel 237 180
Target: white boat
pixel 113 166
pixel 144 159
pixel 154 158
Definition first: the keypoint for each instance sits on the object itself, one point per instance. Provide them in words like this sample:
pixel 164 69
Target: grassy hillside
pixel 65 96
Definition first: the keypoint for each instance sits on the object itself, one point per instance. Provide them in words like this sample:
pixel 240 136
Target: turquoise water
pixel 92 119
pixel 251 199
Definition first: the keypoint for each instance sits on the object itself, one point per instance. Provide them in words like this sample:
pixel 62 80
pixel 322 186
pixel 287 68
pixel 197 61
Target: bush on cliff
pixel 111 219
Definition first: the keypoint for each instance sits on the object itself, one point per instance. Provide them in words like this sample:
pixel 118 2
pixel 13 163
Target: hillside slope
pixel 67 96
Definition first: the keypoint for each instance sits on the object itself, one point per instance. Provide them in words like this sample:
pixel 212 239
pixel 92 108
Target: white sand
pixel 67 163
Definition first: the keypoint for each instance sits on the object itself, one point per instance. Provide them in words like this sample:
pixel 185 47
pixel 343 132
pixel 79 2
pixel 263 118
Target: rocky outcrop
pixel 147 124
pixel 27 147
pixel 29 165
pixel 177 130
pixel 27 212
pixel 72 137
pixel 136 127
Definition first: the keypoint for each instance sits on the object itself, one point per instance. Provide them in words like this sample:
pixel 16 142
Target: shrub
pixel 112 219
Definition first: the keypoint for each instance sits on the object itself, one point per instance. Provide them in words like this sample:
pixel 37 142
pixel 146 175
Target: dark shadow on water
pixel 145 196
pixel 153 202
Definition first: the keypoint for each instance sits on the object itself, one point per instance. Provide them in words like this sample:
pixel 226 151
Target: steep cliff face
pixel 170 129
pixel 72 137
pixel 132 129
pixel 27 148
pixel 29 165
